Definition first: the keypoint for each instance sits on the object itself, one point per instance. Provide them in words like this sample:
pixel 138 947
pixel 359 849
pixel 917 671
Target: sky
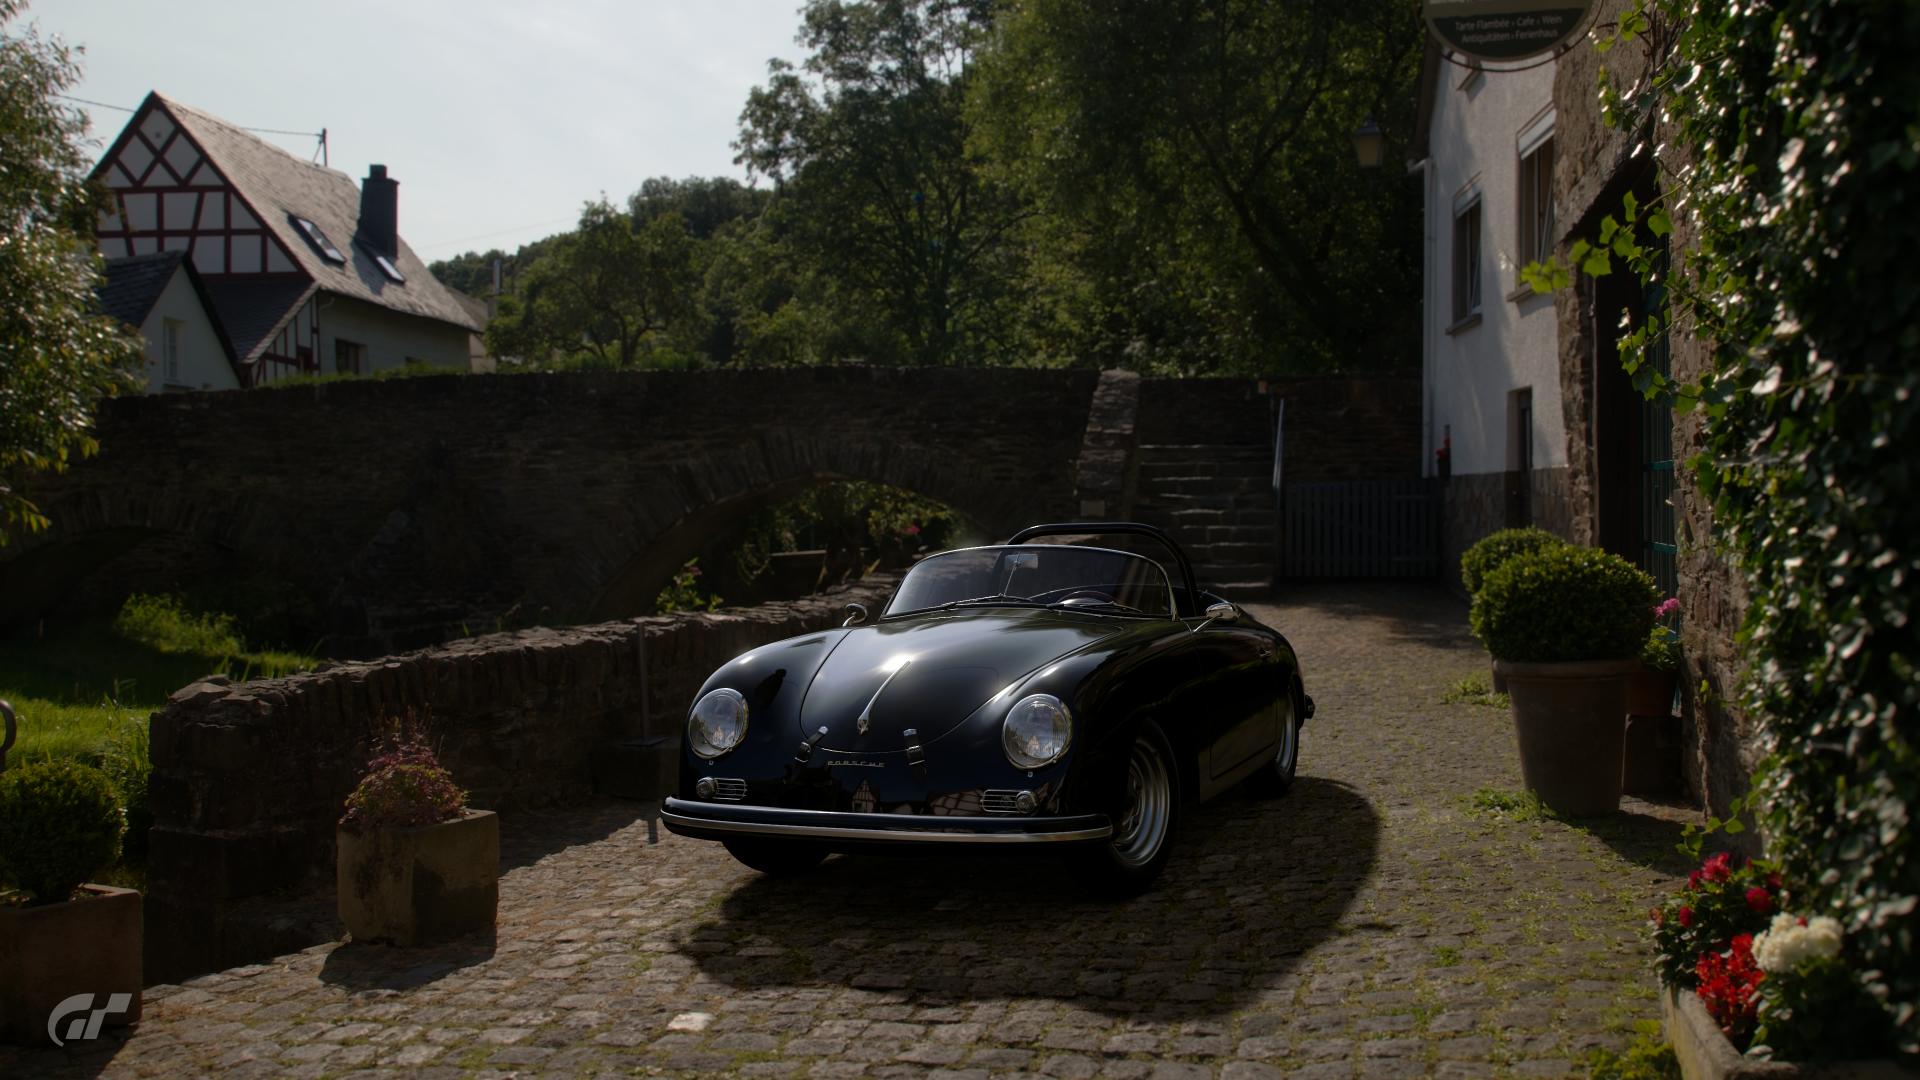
pixel 499 119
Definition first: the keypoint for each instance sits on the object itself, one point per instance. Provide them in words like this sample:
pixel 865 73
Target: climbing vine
pixel 1792 165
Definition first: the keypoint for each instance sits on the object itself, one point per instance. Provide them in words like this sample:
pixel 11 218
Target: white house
pixel 161 296
pixel 301 270
pixel 1484 148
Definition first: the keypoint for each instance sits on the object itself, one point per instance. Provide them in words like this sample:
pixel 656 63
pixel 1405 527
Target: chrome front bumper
pixel 723 821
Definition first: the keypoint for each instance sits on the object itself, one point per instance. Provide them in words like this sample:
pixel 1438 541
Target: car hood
pixel 930 672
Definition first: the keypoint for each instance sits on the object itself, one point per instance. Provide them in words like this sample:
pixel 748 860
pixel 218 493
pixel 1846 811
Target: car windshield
pixel 1039 575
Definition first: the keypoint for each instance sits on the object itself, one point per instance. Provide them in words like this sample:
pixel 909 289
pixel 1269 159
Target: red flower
pixel 1773 881
pixel 1686 916
pixel 1718 868
pixel 1759 899
pixel 913 530
pixel 1728 986
pixel 1693 880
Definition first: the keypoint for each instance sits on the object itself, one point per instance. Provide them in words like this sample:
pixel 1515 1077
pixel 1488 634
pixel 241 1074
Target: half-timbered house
pixel 305 272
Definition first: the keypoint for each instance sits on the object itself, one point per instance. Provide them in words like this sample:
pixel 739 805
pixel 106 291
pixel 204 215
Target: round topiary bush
pixel 1494 549
pixel 60 822
pixel 1564 603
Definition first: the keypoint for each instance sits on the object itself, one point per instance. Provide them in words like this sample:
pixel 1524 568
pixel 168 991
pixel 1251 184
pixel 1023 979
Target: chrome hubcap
pixel 1143 828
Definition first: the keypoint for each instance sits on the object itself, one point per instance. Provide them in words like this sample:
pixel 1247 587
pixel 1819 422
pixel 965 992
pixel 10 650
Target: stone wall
pixel 404 511
pixel 1338 427
pixel 249 779
pixel 1595 166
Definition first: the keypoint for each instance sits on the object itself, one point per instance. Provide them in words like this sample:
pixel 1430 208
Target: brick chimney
pixel 380 212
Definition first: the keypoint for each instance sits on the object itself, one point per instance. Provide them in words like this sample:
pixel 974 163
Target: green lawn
pixel 80 688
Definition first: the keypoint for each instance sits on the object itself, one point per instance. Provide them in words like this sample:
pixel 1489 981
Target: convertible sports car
pixel 1039 696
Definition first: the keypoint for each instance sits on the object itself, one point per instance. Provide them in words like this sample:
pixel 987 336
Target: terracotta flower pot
pixel 1499 679
pixel 1650 692
pixel 1570 720
pixel 53 952
pixel 421 885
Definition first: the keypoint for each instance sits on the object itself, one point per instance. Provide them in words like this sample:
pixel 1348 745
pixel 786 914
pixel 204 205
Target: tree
pixel 601 296
pixel 58 353
pixel 877 191
pixel 1194 165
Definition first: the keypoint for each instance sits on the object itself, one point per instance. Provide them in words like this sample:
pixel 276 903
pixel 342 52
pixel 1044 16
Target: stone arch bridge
pixel 407 511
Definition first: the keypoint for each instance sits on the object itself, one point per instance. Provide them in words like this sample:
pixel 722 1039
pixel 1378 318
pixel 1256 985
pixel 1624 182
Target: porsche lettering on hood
pixel 931 674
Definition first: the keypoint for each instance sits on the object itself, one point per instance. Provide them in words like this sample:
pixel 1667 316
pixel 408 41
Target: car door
pixel 1240 690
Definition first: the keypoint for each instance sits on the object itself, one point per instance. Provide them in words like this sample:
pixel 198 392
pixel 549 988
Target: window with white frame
pixel 1535 187
pixel 173 333
pixel 1466 257
pixel 349 357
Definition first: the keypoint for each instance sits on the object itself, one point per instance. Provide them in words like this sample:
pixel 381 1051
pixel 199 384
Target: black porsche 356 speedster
pixel 1056 696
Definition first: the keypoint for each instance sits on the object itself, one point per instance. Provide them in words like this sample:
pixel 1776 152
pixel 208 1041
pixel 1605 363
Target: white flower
pixel 1786 944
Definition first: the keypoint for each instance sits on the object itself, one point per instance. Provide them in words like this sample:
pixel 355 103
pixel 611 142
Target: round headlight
pixel 1037 731
pixel 718 723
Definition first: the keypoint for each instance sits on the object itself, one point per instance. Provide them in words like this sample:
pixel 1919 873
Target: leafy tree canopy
pixel 58 353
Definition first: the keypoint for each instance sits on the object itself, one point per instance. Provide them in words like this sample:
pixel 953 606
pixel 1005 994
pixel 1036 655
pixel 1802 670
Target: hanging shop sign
pixel 1499 31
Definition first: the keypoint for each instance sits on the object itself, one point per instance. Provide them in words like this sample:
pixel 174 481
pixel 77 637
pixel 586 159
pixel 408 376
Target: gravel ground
pixel 1371 923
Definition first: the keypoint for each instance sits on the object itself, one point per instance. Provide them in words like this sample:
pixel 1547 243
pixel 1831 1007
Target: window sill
pixel 1465 322
pixel 1522 292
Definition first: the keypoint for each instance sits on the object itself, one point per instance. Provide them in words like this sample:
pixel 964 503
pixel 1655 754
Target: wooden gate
pixel 1361 529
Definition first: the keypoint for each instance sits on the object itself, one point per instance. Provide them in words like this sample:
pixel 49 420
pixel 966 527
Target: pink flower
pixel 1666 607
pixel 913 530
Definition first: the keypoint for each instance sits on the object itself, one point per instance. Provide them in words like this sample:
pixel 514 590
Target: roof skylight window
pixel 392 271
pixel 319 241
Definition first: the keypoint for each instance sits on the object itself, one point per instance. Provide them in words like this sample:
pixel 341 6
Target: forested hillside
pixel 1171 189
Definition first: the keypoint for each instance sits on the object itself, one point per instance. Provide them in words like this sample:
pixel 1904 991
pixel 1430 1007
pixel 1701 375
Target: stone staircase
pixel 1217 502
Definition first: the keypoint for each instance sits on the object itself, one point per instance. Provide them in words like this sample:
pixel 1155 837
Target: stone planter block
pixel 422 885
pixel 1705 1054
pixel 1653 756
pixel 1650 693
pixel 1570 721
pixel 52 952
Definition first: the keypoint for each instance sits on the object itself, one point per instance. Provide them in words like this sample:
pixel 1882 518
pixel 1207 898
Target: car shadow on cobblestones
pixel 1254 885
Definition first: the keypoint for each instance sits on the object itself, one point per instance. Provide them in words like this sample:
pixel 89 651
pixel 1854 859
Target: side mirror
pixel 856 615
pixel 1222 612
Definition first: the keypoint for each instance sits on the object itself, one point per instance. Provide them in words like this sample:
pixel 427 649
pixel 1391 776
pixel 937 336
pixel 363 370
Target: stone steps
pixel 1217 503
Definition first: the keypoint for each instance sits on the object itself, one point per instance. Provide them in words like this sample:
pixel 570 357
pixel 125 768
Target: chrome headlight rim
pixel 698 732
pixel 1009 745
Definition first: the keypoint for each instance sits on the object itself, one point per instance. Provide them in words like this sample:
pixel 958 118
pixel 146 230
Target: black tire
pixel 1275 779
pixel 1143 822
pixel 776 858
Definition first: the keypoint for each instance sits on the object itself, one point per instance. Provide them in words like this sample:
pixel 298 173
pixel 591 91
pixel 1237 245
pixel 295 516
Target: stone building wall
pixel 249 779
pixel 1596 166
pixel 1345 427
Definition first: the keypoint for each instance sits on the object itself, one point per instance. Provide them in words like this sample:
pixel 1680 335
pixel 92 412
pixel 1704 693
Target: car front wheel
pixel 776 858
pixel 1143 826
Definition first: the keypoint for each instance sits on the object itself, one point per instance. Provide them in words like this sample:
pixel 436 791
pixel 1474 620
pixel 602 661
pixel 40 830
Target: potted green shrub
pixel 415 865
pixel 1565 625
pixel 61 936
pixel 1491 552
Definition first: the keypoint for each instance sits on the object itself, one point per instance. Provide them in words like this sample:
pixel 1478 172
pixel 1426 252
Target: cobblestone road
pixel 1370 924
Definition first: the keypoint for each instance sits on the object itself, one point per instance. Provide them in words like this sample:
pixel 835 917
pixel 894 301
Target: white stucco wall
pixel 1470 370
pixel 203 361
pixel 389 336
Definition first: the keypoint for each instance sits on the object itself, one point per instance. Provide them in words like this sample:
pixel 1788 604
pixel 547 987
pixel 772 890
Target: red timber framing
pixel 294 349
pixel 170 197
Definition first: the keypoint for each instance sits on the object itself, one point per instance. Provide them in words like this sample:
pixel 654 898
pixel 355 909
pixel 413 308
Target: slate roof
pixel 132 284
pixel 251 309
pixel 279 186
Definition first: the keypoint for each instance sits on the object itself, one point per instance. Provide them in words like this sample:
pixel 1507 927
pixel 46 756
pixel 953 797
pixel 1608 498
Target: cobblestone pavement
pixel 1372 923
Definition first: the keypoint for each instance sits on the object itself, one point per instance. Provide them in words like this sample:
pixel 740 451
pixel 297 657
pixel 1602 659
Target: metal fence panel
pixel 1361 529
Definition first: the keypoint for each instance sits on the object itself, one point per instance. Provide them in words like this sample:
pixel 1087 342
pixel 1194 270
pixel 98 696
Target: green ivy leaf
pixel 1597 264
pixel 1658 223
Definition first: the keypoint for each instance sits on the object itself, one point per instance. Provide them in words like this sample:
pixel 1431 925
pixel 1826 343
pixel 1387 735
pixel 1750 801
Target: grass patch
pixel 1648 1057
pixel 84 690
pixel 1446 956
pixel 1473 690
pixel 1509 805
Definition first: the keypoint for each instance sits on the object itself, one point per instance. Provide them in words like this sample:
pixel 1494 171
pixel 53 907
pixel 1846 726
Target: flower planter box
pixel 1570 720
pixel 51 952
pixel 421 885
pixel 1705 1053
